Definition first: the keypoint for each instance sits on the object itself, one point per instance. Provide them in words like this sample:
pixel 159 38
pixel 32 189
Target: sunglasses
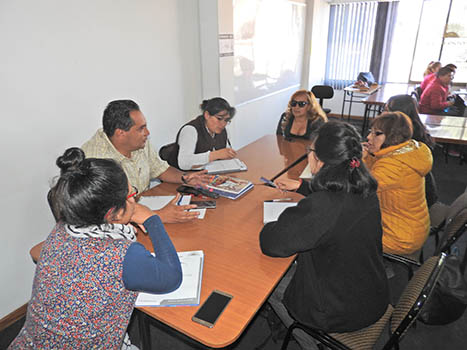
pixel 300 104
pixel 376 133
pixel 223 118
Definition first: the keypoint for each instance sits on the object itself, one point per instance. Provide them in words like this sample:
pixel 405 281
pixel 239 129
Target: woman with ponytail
pixel 339 282
pixel 91 267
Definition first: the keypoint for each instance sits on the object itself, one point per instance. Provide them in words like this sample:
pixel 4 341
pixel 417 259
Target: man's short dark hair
pixel 117 116
pixel 444 71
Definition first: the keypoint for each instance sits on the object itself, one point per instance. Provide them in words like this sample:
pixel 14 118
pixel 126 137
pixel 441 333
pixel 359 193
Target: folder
pixel 189 292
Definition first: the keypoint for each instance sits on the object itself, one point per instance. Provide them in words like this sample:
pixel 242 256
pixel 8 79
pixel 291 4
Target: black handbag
pixel 449 297
pixel 366 77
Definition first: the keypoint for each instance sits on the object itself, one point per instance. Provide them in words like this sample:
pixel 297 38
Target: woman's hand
pixel 365 151
pixel 224 153
pixel 287 184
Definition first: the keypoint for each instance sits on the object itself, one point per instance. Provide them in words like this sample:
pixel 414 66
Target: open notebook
pixel 189 291
pixel 225 166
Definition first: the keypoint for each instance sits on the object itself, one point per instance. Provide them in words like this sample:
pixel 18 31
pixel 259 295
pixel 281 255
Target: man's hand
pixel 198 179
pixel 173 213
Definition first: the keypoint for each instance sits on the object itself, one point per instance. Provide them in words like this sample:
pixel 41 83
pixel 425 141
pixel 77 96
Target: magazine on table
pixel 229 187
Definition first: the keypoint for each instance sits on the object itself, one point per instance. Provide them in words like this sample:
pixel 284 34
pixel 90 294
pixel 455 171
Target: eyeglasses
pixel 223 118
pixel 300 104
pixel 374 132
pixel 309 150
pixel 133 193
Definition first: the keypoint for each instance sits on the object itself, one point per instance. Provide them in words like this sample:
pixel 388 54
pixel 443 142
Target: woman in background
pixel 399 164
pixel 303 116
pixel 430 74
pixel 433 67
pixel 203 139
pixel 90 265
pixel 339 283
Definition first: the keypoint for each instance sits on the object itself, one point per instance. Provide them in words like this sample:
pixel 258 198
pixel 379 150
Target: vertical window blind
pixel 350 42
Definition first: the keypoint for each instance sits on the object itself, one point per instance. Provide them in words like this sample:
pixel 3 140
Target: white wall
pixel 61 63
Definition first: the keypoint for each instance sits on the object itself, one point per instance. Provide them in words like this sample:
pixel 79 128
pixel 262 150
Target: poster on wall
pixel 268 52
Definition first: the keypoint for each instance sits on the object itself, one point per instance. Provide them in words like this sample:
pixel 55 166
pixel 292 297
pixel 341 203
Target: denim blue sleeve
pixel 145 273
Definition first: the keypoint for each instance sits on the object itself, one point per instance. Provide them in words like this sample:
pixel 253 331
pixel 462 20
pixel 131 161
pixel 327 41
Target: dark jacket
pixel 340 283
pixel 204 143
pixel 311 126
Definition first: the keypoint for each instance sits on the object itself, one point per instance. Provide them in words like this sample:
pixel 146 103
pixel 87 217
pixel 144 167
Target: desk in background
pixel 229 237
pixel 355 95
pixel 446 129
pixel 375 102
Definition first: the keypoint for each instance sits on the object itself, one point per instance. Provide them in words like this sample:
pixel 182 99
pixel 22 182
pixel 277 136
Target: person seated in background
pixel 124 139
pixel 400 165
pixel 203 139
pixel 434 99
pixel 303 116
pixel 430 74
pixel 407 105
pixel 91 267
pixel 339 282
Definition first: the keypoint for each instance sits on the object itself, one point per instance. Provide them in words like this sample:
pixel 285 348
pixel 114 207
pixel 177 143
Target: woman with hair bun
pixel 203 139
pixel 91 267
pixel 399 164
pixel 303 116
pixel 339 282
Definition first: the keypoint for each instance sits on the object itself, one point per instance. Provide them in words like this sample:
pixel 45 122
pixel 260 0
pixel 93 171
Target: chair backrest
pixel 414 298
pixel 455 223
pixel 322 91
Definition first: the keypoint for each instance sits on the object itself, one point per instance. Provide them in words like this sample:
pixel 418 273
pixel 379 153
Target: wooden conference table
pixel 229 237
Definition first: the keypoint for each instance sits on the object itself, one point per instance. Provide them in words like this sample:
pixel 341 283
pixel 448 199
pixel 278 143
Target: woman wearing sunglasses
pixel 203 139
pixel 338 283
pixel 303 116
pixel 91 267
pixel 399 164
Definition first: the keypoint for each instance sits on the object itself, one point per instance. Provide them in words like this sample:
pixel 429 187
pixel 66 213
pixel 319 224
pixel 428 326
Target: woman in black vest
pixel 204 139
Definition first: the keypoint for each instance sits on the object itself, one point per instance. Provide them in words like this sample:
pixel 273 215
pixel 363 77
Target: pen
pixel 279 200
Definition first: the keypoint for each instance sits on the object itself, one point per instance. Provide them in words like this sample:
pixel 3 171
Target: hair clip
pixel 354 163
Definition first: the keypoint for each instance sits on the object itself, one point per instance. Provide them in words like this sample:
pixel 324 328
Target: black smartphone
pixel 183 189
pixel 212 308
pixel 204 204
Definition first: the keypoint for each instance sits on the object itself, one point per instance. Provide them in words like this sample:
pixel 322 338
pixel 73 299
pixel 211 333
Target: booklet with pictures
pixel 229 187
pixel 189 292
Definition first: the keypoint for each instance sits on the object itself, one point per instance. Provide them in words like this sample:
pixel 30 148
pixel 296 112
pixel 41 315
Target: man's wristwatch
pixel 183 178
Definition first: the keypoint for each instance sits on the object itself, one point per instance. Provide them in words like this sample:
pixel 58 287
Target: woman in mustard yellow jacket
pixel 399 164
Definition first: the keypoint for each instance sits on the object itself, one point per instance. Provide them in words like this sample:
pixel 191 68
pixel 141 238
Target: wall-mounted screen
pixel 268 46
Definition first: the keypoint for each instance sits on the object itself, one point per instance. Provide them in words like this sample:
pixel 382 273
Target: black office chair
pixel 405 313
pixel 322 92
pixel 416 94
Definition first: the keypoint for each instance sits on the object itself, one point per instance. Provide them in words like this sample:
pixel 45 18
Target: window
pixel 442 36
pixel 359 38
